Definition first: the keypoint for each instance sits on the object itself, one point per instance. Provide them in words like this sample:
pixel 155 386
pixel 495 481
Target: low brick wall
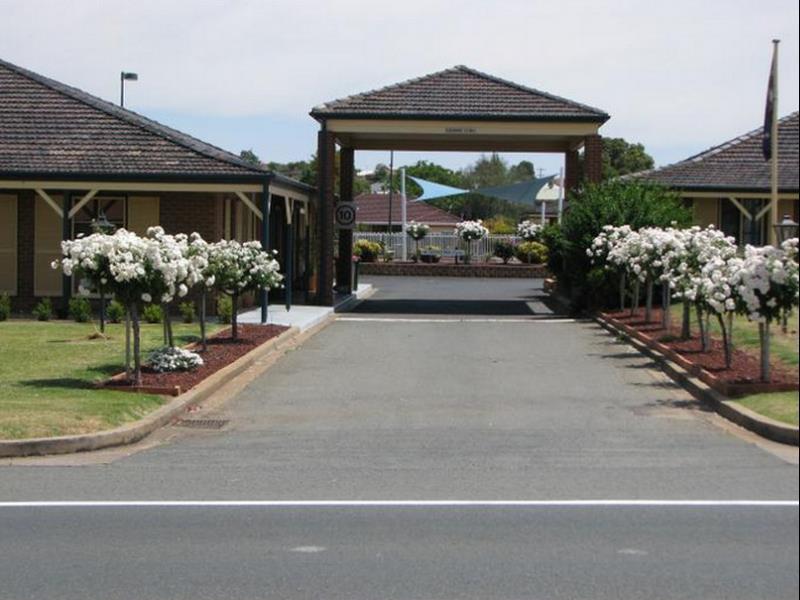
pixel 452 270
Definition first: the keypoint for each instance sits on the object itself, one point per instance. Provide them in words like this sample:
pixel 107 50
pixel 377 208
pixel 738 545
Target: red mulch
pixel 222 351
pixel 745 366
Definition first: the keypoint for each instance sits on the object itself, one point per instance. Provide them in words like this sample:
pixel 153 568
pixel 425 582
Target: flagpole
pixel 403 210
pixel 774 212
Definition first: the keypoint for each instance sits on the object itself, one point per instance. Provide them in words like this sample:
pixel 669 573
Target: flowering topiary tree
pixel 766 281
pixel 237 268
pixel 529 231
pixel 469 231
pixel 599 253
pixel 136 270
pixel 417 231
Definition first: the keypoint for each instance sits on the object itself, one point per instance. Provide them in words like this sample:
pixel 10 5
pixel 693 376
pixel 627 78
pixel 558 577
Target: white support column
pixel 403 212
pixel 249 204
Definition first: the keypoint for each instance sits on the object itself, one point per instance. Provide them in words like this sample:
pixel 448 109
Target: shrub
pixel 115 312
pixel 504 249
pixel 5 307
pixel 187 311
pixel 366 250
pixel 225 309
pixel 616 202
pixel 152 313
pixel 532 253
pixel 80 310
pixel 44 310
pixel 167 358
pixel 501 225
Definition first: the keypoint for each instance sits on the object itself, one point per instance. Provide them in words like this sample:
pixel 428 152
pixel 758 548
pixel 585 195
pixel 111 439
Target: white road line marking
pixel 396 503
pixel 457 320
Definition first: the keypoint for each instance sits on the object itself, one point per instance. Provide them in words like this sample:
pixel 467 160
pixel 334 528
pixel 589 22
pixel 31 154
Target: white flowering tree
pixel 237 268
pixel 135 269
pixel 599 253
pixel 417 231
pixel 766 281
pixel 529 231
pixel 469 231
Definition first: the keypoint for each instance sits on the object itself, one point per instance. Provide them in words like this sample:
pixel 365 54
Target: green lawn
pixel 781 406
pixel 745 335
pixel 46 370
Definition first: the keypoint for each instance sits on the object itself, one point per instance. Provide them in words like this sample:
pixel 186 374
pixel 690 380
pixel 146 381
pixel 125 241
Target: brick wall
pixel 451 270
pixel 189 212
pixel 593 158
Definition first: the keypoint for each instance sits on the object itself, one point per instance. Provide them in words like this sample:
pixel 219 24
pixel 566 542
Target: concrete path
pixel 405 399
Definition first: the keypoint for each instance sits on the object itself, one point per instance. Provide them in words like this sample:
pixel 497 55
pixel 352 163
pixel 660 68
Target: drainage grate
pixel 202 423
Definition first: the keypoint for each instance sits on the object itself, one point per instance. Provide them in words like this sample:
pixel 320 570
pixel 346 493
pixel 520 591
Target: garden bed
pixel 449 269
pixel 742 378
pixel 222 350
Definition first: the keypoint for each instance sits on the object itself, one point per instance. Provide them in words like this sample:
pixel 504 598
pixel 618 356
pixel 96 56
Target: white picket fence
pixel 448 243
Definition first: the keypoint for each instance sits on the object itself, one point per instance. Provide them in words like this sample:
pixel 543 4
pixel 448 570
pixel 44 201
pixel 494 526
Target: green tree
pixel 522 171
pixel 250 157
pixel 620 157
pixel 614 202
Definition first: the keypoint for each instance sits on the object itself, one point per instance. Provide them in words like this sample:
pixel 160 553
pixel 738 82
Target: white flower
pixel 147 297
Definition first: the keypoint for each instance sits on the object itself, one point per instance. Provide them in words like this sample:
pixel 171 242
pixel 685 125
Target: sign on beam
pixel 345 215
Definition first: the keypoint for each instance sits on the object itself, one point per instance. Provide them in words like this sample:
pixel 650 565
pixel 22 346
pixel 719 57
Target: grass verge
pixel 781 406
pixel 47 370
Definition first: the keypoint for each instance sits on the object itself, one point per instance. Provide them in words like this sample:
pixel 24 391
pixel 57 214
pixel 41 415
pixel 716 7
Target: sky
pixel 677 76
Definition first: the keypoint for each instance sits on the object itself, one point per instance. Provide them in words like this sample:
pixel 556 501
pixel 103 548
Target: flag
pixel 769 111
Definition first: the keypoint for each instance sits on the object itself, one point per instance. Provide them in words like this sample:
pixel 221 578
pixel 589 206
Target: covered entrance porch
pixel 459 109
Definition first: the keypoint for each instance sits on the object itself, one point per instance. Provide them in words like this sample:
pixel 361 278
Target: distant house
pixel 372 214
pixel 729 185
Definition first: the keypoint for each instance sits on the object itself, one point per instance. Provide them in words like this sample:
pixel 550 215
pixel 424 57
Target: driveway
pixel 422 393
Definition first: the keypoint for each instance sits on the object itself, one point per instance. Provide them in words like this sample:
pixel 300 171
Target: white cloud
pixel 679 73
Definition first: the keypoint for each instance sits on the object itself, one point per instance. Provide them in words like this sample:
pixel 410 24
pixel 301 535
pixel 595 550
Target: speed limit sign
pixel 345 214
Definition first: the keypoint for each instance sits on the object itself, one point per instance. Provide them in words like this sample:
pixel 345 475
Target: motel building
pixel 729 185
pixel 68 159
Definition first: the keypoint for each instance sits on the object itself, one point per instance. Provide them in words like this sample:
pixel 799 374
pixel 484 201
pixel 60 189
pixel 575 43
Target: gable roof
pixel 373 209
pixel 459 93
pixel 736 165
pixel 52 129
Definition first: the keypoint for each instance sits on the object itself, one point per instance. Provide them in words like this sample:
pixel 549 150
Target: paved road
pixel 409 401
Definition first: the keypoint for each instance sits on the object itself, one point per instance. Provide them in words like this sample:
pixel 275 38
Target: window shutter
pixel 143 212
pixel 8 244
pixel 46 249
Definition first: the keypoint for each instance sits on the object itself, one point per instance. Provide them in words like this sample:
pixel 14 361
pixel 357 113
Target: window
pixel 110 208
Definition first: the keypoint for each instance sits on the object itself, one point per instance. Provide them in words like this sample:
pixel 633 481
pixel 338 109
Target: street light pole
pixel 123 77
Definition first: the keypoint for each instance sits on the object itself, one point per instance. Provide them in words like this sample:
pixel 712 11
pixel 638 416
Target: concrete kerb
pixel 759 424
pixel 134 432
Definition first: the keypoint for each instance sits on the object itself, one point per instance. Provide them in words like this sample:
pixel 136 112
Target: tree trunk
pixel 763 336
pixel 686 325
pixel 102 311
pixel 128 343
pixel 203 340
pixel 725 340
pixel 785 322
pixel 137 359
pixel 635 304
pixel 622 282
pixel 701 324
pixel 648 306
pixel 729 316
pixel 234 316
pixel 666 315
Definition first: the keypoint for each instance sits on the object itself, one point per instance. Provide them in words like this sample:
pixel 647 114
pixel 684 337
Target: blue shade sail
pixel 431 190
pixel 523 193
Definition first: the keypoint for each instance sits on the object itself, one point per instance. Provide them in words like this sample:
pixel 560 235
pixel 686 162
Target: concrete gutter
pixel 133 432
pixel 770 429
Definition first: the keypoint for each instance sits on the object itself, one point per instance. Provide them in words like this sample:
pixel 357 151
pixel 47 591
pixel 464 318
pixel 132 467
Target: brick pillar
pixel 326 155
pixel 571 174
pixel 344 267
pixel 593 158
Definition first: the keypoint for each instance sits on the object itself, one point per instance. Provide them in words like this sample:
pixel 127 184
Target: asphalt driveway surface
pixel 424 394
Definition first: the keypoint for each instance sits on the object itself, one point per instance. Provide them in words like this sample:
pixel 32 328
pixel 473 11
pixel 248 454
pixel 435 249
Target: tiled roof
pixel 49 128
pixel 459 93
pixel 373 209
pixel 735 165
